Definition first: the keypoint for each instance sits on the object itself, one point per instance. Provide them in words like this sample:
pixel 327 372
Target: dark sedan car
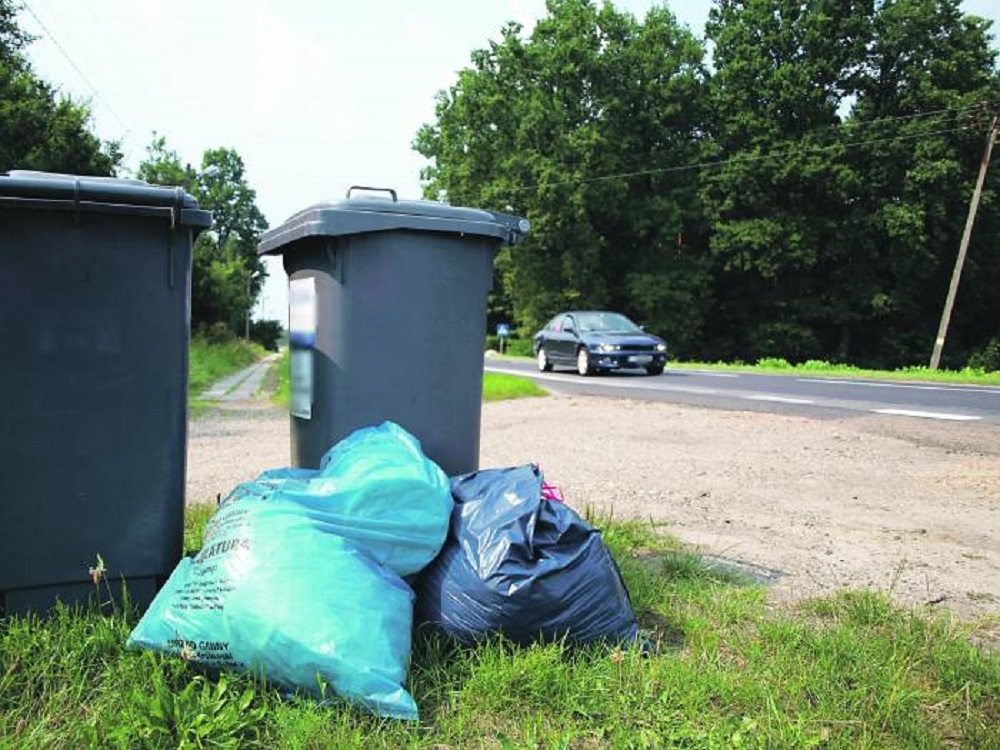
pixel 593 341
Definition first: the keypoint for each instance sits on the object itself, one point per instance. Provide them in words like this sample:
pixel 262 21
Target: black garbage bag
pixel 519 564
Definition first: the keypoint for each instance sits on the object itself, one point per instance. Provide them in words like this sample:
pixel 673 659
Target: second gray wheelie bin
pixel 387 318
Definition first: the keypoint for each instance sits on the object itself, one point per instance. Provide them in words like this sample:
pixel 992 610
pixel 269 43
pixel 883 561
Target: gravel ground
pixel 905 506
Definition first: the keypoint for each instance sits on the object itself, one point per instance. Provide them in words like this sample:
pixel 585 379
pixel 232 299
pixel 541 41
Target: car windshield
pixel 607 322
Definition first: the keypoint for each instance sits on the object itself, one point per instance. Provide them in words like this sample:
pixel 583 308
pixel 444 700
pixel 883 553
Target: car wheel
pixel 543 360
pixel 583 362
pixel 655 370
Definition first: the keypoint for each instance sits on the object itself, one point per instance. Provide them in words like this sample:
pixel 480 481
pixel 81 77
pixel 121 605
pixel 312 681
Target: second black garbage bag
pixel 522 565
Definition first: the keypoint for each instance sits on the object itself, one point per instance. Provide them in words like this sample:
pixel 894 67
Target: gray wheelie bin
pixel 95 296
pixel 387 318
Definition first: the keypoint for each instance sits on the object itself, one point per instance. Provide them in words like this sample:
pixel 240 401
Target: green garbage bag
pixel 300 574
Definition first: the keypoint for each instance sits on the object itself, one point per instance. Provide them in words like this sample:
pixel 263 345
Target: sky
pixel 315 95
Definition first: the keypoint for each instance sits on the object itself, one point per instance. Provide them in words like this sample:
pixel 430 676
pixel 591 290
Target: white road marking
pixel 927 415
pixel 659 383
pixel 782 399
pixel 963 389
pixel 711 373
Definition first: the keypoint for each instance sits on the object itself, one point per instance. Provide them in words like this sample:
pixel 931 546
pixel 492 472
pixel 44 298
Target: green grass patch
pixel 500 387
pixel 196 516
pixel 281 371
pixel 729 671
pixel 818 368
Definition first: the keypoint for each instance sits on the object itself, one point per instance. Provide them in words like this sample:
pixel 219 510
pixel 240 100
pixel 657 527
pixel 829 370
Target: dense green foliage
pixel 591 92
pixel 227 275
pixel 732 671
pixel 842 245
pixel 803 196
pixel 267 333
pixel 40 129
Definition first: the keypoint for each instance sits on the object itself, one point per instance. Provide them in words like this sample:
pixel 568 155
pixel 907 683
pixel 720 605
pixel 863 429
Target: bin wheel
pixel 543 360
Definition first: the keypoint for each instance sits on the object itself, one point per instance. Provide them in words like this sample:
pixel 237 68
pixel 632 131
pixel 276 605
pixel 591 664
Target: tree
pixel 846 173
pixel 780 202
pixel 38 129
pixel 12 39
pixel 923 95
pixel 535 125
pixel 227 274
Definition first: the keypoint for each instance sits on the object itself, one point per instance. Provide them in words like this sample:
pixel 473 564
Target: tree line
pixel 42 130
pixel 794 183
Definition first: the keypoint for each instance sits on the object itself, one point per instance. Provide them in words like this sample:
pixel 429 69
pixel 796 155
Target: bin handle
pixel 390 191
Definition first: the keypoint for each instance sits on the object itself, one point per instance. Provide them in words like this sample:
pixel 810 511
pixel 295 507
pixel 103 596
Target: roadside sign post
pixel 503 331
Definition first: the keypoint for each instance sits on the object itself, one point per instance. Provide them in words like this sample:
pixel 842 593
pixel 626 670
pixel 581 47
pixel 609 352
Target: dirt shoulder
pixel 898 505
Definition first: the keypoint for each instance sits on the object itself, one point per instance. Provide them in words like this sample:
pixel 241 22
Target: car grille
pixel 639 347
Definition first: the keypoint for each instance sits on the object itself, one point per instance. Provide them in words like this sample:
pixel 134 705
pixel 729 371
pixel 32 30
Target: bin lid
pixel 366 214
pixel 66 192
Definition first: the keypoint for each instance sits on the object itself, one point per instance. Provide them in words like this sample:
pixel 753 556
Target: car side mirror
pixel 569 329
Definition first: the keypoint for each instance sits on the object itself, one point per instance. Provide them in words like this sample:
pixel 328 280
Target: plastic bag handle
pixel 390 191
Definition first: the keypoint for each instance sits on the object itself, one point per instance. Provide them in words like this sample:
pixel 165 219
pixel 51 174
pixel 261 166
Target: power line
pixel 885 119
pixel 740 159
pixel 79 72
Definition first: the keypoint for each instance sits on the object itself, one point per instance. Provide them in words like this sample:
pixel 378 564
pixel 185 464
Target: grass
pixel 500 387
pixel 282 367
pixel 496 386
pixel 849 671
pixel 211 361
pixel 730 671
pixel 819 368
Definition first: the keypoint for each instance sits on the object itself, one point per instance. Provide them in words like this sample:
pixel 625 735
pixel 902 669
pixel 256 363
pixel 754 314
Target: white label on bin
pixel 302 312
pixel 301 376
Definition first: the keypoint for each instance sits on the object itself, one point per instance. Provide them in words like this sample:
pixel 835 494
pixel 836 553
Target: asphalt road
pixel 816 397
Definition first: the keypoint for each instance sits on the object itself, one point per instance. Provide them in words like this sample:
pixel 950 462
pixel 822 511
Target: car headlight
pixel 661 347
pixel 608 347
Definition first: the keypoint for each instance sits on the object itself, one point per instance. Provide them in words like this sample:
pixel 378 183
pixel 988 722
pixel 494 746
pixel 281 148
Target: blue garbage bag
pixel 300 574
pixel 522 565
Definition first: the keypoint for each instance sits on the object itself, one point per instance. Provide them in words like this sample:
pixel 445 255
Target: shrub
pixel 774 363
pixel 791 341
pixel 519 347
pixel 514 346
pixel 819 365
pixel 217 333
pixel 986 359
pixel 266 333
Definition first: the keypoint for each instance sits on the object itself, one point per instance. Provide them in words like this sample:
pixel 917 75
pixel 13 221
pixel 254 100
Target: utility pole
pixel 246 332
pixel 960 260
